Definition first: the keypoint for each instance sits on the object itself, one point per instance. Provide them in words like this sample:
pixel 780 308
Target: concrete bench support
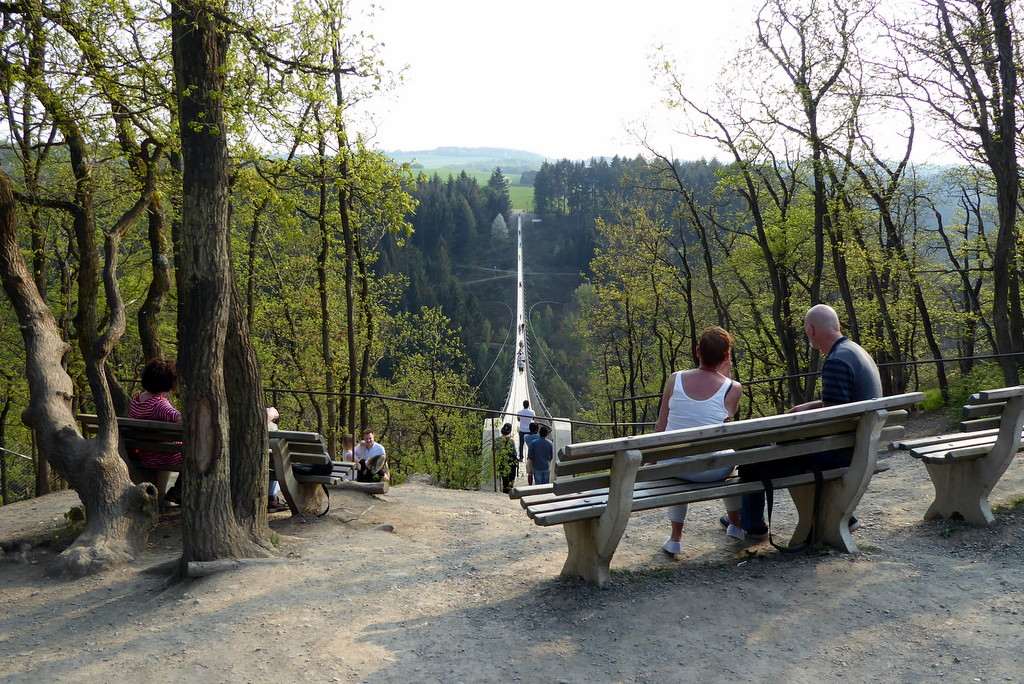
pixel 592 542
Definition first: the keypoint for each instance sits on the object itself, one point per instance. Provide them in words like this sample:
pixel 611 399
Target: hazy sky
pixel 563 78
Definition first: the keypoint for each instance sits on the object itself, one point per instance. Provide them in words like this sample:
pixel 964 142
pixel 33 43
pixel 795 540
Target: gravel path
pixel 466 589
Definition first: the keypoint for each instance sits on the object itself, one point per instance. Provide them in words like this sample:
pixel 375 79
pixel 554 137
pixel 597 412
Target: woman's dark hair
pixel 506 429
pixel 714 346
pixel 159 376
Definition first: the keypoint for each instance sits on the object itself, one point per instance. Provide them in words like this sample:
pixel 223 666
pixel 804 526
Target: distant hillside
pixel 470 159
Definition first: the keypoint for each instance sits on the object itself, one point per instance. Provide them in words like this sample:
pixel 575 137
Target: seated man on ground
pixel 371 458
pixel 849 374
pixel 702 396
pixel 159 378
pixel 540 452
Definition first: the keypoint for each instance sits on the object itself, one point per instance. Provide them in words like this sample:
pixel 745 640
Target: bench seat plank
pixel 690 493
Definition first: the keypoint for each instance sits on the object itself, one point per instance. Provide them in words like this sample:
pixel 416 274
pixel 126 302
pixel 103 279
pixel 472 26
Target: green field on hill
pixel 521 195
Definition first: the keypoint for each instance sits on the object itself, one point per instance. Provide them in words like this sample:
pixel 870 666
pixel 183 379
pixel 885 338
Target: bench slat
pixel 710 461
pixel 694 493
pixel 998 394
pixel 966 441
pixel 604 461
pixel 317 479
pixel 982 410
pixel 967 453
pixel 980 424
pixel 550 497
pixel 721 433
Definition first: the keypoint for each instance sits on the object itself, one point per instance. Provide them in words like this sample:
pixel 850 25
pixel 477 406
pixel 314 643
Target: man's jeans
pixel 752 509
pixel 541 477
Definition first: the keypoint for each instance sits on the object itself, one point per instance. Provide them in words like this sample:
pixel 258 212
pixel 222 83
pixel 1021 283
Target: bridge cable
pixel 552 366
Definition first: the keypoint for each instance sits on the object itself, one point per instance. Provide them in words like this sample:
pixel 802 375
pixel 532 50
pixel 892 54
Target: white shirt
pixel 362 454
pixel 525 418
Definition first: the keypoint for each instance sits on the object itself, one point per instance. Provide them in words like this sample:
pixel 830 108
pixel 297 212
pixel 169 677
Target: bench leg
pixel 959 491
pixel 592 543
pixel 803 500
pixel 839 498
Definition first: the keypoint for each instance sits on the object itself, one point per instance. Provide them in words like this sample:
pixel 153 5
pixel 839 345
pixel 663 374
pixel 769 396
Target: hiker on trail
pixel 702 396
pixel 371 458
pixel 526 417
pixel 274 502
pixel 849 374
pixel 529 439
pixel 506 459
pixel 541 451
pixel 159 378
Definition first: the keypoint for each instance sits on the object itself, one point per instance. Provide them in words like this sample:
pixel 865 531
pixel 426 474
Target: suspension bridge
pixel 522 386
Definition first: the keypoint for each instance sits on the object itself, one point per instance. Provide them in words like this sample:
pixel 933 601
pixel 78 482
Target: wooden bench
pixel 305 494
pixel 965 466
pixel 599 484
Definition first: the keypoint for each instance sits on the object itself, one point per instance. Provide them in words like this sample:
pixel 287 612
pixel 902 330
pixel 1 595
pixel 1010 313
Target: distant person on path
pixel 705 395
pixel 274 503
pixel 159 378
pixel 848 374
pixel 347 448
pixel 506 459
pixel 526 417
pixel 371 458
pixel 529 439
pixel 541 451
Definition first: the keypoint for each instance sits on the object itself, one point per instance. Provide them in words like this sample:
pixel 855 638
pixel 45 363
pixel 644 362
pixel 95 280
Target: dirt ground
pixel 466 589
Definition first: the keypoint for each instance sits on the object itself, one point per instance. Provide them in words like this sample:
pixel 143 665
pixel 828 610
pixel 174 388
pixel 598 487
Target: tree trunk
pixel 321 280
pixel 209 527
pixel 159 285
pixel 119 514
pixel 247 413
pixel 344 177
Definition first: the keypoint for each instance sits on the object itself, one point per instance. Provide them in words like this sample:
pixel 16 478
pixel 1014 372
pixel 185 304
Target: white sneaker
pixel 735 532
pixel 672 548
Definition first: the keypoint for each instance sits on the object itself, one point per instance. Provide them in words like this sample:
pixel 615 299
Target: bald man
pixel 848 374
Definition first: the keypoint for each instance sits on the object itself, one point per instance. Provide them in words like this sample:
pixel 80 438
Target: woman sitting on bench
pixel 159 377
pixel 703 396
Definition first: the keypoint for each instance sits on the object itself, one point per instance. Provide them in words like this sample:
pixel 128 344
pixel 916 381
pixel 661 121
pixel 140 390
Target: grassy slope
pixel 521 195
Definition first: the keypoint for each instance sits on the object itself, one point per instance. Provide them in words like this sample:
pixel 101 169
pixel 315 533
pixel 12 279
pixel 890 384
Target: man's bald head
pixel 822 327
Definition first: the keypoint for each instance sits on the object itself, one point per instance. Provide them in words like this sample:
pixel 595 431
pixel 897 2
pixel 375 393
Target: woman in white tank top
pixel 703 396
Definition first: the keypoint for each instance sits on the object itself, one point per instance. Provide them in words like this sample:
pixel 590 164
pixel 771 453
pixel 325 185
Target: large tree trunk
pixel 119 514
pixel 159 285
pixel 344 175
pixel 209 527
pixel 250 448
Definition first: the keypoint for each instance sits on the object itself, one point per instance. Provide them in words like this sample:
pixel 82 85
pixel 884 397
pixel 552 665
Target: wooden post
pixel 592 543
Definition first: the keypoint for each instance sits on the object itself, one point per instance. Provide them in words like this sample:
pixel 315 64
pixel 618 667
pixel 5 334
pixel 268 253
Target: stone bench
pixel 599 484
pixel 965 466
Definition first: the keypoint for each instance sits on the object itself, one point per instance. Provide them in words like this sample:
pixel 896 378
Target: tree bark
pixel 209 527
pixel 119 514
pixel 247 413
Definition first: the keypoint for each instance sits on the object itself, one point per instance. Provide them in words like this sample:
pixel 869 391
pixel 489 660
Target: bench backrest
pixel 985 408
pixel 155 435
pixel 676 453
